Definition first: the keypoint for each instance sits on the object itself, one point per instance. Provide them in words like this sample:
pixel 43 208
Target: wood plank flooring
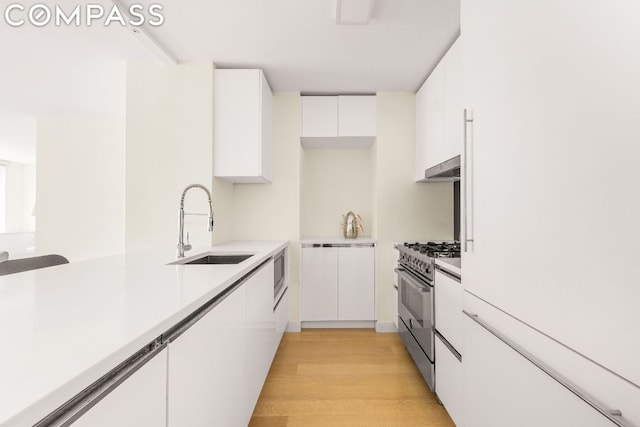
pixel 345 377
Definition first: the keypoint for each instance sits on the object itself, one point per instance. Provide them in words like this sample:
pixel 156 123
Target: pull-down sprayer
pixel 182 247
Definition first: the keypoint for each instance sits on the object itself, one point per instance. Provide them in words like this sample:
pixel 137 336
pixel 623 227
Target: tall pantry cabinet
pixel 552 201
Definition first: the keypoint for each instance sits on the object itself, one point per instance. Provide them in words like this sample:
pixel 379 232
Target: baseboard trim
pixel 337 324
pixel 386 327
pixel 293 327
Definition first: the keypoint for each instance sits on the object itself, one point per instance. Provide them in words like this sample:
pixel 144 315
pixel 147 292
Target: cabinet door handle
pixel 467 184
pixel 613 415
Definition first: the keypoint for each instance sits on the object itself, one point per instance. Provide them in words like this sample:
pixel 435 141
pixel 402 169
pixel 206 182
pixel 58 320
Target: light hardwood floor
pixel 345 377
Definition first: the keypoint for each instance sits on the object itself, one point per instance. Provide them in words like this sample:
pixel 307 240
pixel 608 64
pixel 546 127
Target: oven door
pixel 415 308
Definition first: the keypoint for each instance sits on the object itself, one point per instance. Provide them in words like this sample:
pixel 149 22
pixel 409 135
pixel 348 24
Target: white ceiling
pixel 298 45
pixel 54 70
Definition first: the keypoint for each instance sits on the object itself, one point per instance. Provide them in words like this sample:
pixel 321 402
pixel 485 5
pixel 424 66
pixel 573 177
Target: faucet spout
pixel 182 247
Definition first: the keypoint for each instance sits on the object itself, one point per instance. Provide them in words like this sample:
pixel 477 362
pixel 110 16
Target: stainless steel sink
pixel 219 259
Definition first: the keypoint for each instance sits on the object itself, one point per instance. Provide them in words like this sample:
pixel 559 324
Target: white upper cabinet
pixel 453 102
pixel 343 121
pixel 242 109
pixel 357 116
pixel 319 116
pixel 430 121
pixel 439 113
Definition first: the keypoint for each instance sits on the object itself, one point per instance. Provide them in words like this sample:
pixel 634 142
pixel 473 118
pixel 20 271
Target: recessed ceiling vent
pixel 352 12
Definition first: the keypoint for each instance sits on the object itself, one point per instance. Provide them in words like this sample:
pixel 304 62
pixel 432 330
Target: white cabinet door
pixel 356 115
pixel 454 101
pixel 555 160
pixel 260 332
pixel 503 389
pixel 421 132
pixel 430 122
pixel 207 369
pixel 434 117
pixel 319 287
pixel 141 400
pixel 449 384
pixel 448 304
pixel 319 116
pixel 242 126
pixel 356 283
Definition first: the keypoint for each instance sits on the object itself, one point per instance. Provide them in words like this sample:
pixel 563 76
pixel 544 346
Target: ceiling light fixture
pixel 352 12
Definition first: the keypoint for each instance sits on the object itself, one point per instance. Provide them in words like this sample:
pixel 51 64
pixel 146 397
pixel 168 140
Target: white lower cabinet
pixel 448 301
pixel 139 401
pixel 356 293
pixel 338 283
pixel 260 332
pixel 217 366
pixel 503 389
pixel 449 381
pixel 206 368
pixel 319 295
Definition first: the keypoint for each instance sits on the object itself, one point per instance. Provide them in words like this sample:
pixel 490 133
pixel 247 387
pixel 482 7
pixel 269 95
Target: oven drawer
pixel 425 366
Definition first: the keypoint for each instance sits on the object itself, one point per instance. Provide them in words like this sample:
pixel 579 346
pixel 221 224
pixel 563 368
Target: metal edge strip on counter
pixel 448 273
pixel 78 405
pixel 612 415
pixel 449 346
pixel 338 245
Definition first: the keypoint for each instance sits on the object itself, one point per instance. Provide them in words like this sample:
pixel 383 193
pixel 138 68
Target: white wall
pixel 400 209
pixel 169 146
pixel 20 197
pixel 334 182
pixel 80 185
pixel 272 211
pixel 405 210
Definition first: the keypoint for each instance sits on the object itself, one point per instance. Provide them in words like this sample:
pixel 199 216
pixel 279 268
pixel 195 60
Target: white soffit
pixel 353 12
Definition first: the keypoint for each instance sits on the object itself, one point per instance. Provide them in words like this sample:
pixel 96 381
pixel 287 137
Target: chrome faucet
pixel 182 247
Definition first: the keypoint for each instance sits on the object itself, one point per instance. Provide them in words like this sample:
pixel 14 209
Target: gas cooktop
pixel 449 249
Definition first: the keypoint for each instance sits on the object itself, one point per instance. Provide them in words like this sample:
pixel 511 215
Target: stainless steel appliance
pixel 278 274
pixel 416 319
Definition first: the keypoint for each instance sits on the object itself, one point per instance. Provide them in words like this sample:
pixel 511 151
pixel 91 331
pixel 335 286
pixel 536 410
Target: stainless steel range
pixel 416 267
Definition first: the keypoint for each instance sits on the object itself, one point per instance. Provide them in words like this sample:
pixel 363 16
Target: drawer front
pixel 448 306
pixel 449 384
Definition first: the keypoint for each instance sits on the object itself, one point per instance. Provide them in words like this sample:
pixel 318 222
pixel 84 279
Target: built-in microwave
pixel 278 273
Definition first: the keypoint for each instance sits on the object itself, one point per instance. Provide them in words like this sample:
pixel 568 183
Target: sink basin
pixel 219 259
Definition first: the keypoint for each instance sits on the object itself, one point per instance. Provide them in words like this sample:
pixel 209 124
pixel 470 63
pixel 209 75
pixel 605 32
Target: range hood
pixel 447 171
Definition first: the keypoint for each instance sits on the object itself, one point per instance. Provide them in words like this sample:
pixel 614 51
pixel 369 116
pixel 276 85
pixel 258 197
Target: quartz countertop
pixel 64 327
pixel 337 240
pixel 453 265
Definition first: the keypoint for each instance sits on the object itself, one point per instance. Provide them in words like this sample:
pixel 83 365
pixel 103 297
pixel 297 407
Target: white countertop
pixel 63 327
pixel 337 240
pixel 451 264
